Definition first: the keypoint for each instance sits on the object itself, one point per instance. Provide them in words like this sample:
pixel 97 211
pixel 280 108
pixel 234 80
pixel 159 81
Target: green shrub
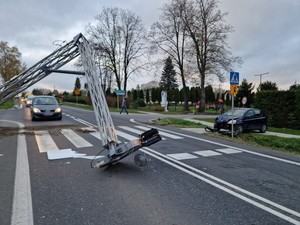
pixel 282 108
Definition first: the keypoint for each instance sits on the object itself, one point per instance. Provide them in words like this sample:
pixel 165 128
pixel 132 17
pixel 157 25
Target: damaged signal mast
pixel 80 46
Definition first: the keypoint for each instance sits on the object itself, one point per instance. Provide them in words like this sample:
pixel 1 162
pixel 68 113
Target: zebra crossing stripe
pixel 182 156
pixel 45 141
pixel 206 153
pixel 228 151
pixel 96 134
pixel 126 136
pixel 161 133
pixel 136 131
pixel 76 140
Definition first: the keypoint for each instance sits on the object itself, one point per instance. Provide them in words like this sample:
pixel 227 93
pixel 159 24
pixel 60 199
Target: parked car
pixel 244 119
pixel 45 107
pixel 29 100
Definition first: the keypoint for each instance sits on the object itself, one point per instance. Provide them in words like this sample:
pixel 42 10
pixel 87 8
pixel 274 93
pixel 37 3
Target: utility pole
pixel 260 75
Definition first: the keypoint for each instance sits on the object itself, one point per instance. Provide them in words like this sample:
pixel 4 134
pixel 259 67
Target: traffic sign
pixel 234 89
pixel 120 92
pixel 77 92
pixel 234 77
pixel 244 100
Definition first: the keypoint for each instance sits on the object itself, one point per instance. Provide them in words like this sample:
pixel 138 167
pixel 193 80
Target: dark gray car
pixel 45 107
pixel 244 119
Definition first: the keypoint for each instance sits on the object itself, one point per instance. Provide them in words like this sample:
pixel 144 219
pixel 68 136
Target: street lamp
pixel 261 74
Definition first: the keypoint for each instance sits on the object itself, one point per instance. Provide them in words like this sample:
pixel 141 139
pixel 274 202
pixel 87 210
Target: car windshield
pixel 235 112
pixel 45 101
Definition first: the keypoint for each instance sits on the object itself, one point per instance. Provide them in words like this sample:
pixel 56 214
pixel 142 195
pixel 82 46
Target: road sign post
pixel 119 93
pixel 77 92
pixel 234 82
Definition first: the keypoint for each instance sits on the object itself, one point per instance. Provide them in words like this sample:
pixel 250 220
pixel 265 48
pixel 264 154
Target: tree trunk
pixel 202 103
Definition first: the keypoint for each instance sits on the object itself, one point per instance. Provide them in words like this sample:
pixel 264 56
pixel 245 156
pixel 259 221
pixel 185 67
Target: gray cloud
pixel 266 36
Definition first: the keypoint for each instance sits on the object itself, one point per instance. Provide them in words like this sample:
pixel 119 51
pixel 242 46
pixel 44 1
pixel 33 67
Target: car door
pixel 260 120
pixel 249 120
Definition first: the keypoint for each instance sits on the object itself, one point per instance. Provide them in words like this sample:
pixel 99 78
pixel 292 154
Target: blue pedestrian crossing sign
pixel 234 77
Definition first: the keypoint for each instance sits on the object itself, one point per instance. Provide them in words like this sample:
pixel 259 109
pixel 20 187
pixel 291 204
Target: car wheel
pixel 263 128
pixel 239 129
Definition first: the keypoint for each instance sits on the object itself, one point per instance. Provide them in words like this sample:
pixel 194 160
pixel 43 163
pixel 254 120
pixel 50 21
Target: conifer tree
pixel 168 79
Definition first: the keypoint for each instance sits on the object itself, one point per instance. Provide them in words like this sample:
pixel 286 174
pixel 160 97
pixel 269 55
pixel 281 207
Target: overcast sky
pixel 266 33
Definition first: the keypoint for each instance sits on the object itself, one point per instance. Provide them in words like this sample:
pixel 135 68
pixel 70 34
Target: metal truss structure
pixel 80 46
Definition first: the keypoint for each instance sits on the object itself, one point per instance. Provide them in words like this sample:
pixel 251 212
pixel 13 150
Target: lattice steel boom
pixel 80 46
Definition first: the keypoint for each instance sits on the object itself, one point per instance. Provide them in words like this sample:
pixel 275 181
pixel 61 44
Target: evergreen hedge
pixel 282 108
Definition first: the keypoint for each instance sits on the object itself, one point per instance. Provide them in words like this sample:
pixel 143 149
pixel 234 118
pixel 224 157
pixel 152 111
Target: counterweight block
pixel 150 137
pixel 123 150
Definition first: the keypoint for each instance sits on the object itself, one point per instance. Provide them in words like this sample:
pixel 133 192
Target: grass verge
pixel 7 105
pixel 276 143
pixel 177 123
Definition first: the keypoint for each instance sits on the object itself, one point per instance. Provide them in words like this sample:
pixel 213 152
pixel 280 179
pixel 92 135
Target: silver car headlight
pixel 58 110
pixel 36 110
pixel 230 122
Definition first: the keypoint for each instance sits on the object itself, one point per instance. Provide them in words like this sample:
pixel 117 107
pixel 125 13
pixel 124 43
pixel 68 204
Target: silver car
pixel 45 107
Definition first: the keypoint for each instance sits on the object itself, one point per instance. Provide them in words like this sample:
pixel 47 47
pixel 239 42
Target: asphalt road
pixel 189 179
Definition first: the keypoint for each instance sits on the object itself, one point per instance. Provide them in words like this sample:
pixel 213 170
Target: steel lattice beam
pixel 80 46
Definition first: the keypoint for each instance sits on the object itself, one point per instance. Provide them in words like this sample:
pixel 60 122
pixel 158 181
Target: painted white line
pixel 96 135
pixel 61 154
pixel 136 131
pixel 1 155
pixel 207 153
pixel 161 132
pixel 22 200
pixel 91 157
pixel 227 146
pixel 84 122
pixel 228 150
pixel 76 140
pixel 126 136
pixel 222 185
pixel 182 156
pixel 45 141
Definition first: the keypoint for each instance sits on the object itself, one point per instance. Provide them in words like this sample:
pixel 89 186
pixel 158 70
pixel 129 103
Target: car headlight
pixel 230 122
pixel 58 110
pixel 36 110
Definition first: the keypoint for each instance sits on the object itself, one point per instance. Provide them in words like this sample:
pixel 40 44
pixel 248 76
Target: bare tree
pixel 169 36
pixel 119 37
pixel 209 33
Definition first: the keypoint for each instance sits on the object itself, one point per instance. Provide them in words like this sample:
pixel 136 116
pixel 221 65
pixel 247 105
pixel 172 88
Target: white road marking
pixel 61 154
pixel 161 133
pixel 96 135
pixel 227 187
pixel 22 200
pixel 182 156
pixel 76 140
pixel 45 141
pixel 126 136
pixel 84 122
pixel 136 131
pixel 206 153
pixel 227 146
pixel 228 150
